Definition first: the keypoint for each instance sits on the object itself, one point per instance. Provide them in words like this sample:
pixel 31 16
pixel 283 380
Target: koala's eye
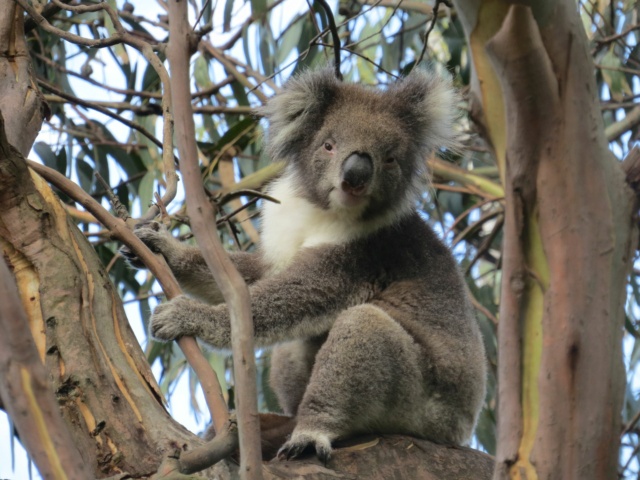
pixel 389 161
pixel 328 147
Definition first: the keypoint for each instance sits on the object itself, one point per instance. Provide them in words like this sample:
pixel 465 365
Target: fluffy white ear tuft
pixel 428 102
pixel 297 110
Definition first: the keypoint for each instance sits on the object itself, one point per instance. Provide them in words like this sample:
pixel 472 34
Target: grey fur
pixel 372 325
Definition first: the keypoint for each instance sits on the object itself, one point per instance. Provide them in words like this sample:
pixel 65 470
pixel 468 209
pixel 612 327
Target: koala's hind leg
pixel 366 377
pixel 291 365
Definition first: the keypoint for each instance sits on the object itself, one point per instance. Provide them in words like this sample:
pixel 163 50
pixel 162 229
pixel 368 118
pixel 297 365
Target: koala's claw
pixel 301 442
pixel 130 257
pixel 150 233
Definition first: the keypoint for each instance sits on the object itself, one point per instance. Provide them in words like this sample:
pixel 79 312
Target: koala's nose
pixel 357 171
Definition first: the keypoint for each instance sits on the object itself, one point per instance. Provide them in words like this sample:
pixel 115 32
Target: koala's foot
pixel 153 234
pixel 306 440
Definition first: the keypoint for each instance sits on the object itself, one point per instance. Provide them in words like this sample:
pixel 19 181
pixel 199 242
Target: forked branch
pixel 120 230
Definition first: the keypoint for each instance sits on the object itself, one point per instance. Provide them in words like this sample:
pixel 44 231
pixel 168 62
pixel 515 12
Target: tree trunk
pixel 383 458
pixel 102 382
pixel 100 376
pixel 22 101
pixel 569 239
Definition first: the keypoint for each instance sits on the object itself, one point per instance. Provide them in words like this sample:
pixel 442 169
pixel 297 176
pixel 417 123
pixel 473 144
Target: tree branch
pixel 155 263
pixel 202 217
pixel 617 129
pixel 98 108
pixel 121 35
pixel 335 36
pixel 407 5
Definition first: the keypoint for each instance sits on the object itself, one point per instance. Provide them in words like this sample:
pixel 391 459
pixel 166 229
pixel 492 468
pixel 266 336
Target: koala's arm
pixel 188 265
pixel 301 301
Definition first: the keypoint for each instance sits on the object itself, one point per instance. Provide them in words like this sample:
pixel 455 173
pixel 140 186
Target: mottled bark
pixel 568 245
pixel 101 379
pixel 29 400
pixel 21 100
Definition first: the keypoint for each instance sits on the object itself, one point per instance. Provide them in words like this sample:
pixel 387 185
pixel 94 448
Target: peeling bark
pixel 26 392
pixel 101 379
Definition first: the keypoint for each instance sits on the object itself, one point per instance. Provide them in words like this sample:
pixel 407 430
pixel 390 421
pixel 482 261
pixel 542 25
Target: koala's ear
pixel 427 104
pixel 296 113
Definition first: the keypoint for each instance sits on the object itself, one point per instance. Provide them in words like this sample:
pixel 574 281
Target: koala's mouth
pixel 346 196
pixel 353 191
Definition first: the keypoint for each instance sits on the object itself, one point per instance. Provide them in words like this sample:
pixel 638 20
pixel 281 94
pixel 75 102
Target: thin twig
pixel 118 207
pixel 242 28
pixel 335 36
pixel 474 226
pixel 481 308
pixel 312 43
pixel 229 216
pixel 607 40
pixel 486 243
pixel 467 212
pixel 97 108
pixel 230 67
pixel 364 57
pixel 432 25
pixel 204 7
pixel 632 423
pixel 227 197
pixel 131 178
pixel 121 35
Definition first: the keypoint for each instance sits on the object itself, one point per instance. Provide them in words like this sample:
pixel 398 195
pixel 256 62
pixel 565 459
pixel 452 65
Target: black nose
pixel 357 170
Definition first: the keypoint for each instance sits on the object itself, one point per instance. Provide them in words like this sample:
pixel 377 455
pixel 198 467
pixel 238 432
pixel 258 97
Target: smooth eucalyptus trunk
pixel 568 245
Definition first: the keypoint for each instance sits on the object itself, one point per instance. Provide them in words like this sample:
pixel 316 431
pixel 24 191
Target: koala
pixel 368 316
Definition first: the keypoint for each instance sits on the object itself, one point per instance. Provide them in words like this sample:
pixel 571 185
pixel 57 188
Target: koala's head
pixel 356 148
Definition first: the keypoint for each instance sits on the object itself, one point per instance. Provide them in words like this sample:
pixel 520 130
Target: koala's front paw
pixel 306 440
pixel 176 318
pixel 153 234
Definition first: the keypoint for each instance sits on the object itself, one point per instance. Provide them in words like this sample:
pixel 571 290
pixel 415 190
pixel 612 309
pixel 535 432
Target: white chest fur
pixel 296 223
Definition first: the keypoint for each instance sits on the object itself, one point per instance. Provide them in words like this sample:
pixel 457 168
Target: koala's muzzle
pixel 357 172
